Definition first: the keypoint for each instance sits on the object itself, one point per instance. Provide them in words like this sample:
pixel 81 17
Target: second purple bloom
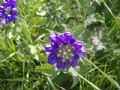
pixel 8 11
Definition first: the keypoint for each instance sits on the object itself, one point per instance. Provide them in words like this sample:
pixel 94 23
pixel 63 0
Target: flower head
pixel 64 50
pixel 8 12
pixel 95 41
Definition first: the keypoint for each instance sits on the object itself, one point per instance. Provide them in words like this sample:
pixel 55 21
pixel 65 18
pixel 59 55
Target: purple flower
pixel 8 12
pixel 64 50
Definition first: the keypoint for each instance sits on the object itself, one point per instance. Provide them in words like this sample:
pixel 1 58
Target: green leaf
pixel 46 69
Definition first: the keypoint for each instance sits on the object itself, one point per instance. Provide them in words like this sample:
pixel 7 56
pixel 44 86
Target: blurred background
pixel 23 61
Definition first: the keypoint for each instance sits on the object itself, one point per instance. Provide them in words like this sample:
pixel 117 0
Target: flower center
pixel 65 52
pixel 7 10
pixel 95 41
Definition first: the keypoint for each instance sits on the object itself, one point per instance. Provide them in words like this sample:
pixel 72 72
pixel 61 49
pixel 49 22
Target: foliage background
pixel 23 62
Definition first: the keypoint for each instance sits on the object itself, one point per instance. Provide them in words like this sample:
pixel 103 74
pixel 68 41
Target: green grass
pixel 23 62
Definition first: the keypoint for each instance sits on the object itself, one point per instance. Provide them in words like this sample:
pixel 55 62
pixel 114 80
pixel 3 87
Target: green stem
pixel 104 74
pixel 94 86
pixel 51 83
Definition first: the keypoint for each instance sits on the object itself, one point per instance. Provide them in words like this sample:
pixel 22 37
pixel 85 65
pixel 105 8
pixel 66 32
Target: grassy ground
pixel 23 62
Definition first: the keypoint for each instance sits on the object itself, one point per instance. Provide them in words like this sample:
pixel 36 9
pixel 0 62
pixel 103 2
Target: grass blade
pixel 104 74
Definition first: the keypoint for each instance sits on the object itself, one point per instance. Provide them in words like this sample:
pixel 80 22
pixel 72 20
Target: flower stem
pixel 104 74
pixel 94 86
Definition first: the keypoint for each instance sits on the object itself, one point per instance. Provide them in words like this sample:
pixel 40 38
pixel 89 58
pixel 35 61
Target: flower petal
pixel 61 65
pixel 4 3
pixel 48 48
pixel 52 58
pixel 82 51
pixel 59 38
pixel 95 46
pixel 68 37
pixel 73 63
pixel 78 45
pixel 76 56
pixel 13 11
pixel 55 45
pixel 52 38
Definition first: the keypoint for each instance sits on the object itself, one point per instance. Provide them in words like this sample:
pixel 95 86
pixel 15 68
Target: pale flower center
pixel 65 52
pixel 95 41
pixel 7 10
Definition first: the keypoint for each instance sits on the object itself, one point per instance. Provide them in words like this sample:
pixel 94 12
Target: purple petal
pixel 2 9
pixel 48 48
pixel 76 56
pixel 79 48
pixel 55 45
pixel 67 34
pixel 74 63
pixel 68 37
pixel 52 38
pixel 72 40
pixel 52 58
pixel 74 60
pixel 13 11
pixel 96 46
pixel 14 17
pixel 61 65
pixel 78 45
pixel 82 51
pixel 4 3
pixel 59 38
pixel 2 23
